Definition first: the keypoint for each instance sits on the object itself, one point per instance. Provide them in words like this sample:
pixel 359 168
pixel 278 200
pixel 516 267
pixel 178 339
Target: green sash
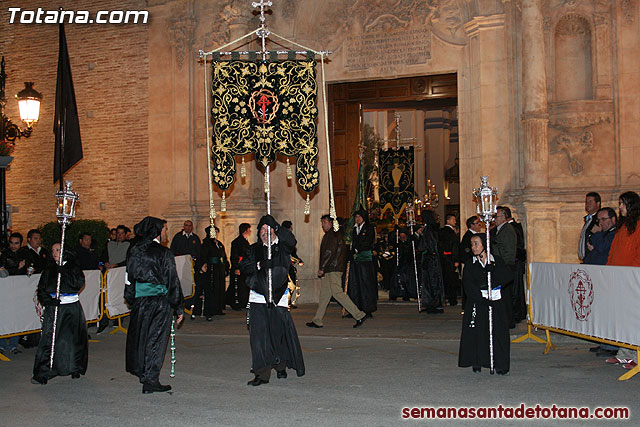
pixel 363 256
pixel 150 289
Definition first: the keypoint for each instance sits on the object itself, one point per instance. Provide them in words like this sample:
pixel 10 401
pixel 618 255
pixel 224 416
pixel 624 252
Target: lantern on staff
pixel 66 204
pixel 486 198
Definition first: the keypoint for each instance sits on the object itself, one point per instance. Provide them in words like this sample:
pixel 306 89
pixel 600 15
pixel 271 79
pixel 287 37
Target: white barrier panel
pixel 90 295
pixel 18 302
pixel 594 300
pixel 115 285
pixel 115 292
pixel 185 274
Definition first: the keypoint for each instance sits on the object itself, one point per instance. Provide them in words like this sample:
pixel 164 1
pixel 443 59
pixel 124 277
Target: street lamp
pixel 29 105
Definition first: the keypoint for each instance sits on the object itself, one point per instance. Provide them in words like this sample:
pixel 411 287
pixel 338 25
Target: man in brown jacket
pixel 333 262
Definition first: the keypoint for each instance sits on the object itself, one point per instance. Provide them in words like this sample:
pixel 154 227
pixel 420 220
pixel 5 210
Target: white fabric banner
pixel 595 300
pixel 19 310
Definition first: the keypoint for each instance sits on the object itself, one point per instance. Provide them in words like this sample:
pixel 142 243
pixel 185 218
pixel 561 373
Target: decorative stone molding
pixel 628 8
pixel 573 24
pixel 580 114
pixel 182 27
pixel 445 17
pixel 573 145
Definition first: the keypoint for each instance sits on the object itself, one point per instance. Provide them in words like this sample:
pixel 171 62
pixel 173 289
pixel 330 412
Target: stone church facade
pixel 548 105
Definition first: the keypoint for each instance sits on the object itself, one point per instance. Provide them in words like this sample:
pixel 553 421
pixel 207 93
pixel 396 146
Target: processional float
pixel 264 106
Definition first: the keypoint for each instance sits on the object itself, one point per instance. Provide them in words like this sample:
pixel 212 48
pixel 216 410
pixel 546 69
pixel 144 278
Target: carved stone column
pixel 535 117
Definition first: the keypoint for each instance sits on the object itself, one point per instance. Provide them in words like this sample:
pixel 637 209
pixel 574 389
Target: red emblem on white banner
pixel 581 294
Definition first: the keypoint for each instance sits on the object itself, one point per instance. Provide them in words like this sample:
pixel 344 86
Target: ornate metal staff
pixel 65 212
pixel 411 221
pixel 173 348
pixel 486 207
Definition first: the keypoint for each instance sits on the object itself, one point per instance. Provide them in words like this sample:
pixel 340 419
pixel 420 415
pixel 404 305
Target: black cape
pixel 71 353
pixel 474 340
pixel 150 323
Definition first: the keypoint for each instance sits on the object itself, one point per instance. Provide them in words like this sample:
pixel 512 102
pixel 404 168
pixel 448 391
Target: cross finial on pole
pixel 398 139
pixel 262 32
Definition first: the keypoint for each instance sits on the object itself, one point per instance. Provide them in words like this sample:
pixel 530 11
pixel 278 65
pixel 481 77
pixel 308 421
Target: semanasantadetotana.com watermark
pixel 43 16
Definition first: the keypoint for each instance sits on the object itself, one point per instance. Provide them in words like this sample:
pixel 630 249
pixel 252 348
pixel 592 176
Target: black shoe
pixel 369 315
pixel 313 325
pixel 500 372
pixel 477 369
pixel 102 327
pixel 16 350
pixel 360 322
pixel 75 375
pixel 282 374
pixel 257 381
pixel 35 380
pixel 594 349
pixel 209 319
pixel 154 387
pixel 606 353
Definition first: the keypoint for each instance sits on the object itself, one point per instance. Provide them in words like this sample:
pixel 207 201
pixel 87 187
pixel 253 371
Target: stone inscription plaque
pixel 388 50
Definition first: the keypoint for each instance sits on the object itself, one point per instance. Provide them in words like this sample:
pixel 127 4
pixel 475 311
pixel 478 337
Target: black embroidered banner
pixel 264 108
pixel 396 178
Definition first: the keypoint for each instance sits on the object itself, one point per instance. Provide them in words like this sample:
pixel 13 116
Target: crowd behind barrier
pixel 20 312
pixel 595 302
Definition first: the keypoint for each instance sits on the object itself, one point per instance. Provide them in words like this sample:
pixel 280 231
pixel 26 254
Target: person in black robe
pixel 238 294
pixel 474 340
pixel 363 284
pixel 272 334
pixel 212 268
pixel 404 283
pixel 386 254
pixel 448 242
pixel 431 281
pixel 71 349
pixel 154 294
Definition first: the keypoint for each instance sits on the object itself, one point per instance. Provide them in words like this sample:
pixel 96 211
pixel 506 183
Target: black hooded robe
pixel 363 281
pixel 404 283
pixel 272 333
pixel 237 295
pixel 474 339
pixel 150 266
pixel 212 282
pixel 431 281
pixel 71 352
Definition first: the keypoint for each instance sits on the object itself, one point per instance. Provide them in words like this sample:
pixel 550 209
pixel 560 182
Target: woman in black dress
pixel 474 341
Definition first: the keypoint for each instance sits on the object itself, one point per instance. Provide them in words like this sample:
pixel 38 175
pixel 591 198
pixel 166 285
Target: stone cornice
pixel 480 23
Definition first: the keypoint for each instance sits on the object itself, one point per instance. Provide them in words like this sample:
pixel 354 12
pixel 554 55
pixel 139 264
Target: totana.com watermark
pixel 43 16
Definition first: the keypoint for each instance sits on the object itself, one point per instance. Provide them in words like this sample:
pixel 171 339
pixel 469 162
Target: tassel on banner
pixel 289 171
pixel 307 206
pixel 243 169
pixel 223 203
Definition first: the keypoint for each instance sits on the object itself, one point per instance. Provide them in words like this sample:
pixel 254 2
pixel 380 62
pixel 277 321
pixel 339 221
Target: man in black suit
pixel 449 258
pixel 504 243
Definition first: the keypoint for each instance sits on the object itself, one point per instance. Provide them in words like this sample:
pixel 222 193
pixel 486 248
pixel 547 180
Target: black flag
pixel 68 150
